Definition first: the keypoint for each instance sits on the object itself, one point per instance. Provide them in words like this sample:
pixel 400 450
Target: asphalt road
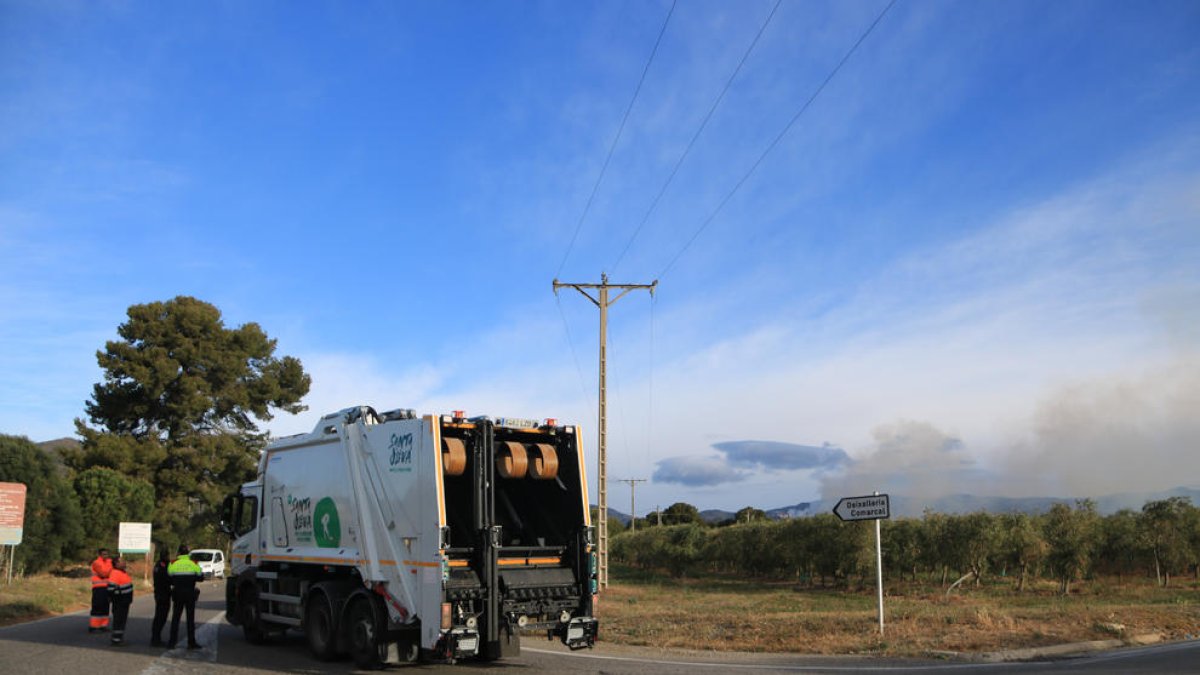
pixel 63 645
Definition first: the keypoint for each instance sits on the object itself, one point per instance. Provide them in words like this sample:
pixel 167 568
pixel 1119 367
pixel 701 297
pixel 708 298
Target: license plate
pixel 517 423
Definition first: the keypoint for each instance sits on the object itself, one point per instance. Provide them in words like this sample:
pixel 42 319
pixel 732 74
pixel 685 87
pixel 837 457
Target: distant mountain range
pixel 906 507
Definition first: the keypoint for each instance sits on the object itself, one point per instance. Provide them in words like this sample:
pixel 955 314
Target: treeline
pixel 1065 544
pixel 169 432
pixel 68 512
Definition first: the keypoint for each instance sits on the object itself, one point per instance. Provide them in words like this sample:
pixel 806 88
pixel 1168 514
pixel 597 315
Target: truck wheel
pixel 410 652
pixel 318 628
pixel 365 635
pixel 252 627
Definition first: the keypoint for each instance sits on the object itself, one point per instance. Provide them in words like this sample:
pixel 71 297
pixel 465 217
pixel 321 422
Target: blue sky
pixel 969 266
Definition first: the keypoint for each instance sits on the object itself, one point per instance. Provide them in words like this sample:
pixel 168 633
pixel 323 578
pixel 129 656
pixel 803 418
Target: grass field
pixel 43 595
pixel 724 614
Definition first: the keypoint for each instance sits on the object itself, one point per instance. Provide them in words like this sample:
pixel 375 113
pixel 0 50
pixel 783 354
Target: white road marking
pixel 763 666
pixel 206 635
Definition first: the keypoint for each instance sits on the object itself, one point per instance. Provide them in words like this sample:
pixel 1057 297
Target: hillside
pixel 905 507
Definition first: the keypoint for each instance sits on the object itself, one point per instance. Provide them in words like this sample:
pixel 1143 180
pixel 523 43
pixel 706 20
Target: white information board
pixel 134 538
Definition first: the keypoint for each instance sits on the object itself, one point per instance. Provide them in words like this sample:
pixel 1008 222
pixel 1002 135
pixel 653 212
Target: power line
pixel 771 146
pixel 611 148
pixel 703 124
pixel 618 400
pixel 650 405
pixel 574 354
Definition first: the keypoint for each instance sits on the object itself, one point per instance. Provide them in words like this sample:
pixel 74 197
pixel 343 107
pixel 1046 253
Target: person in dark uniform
pixel 120 589
pixel 162 597
pixel 184 574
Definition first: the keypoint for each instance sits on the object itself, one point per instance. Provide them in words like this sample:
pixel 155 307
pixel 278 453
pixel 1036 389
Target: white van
pixel 211 562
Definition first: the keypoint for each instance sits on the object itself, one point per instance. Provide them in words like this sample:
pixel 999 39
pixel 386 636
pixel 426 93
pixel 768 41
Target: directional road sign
pixel 869 507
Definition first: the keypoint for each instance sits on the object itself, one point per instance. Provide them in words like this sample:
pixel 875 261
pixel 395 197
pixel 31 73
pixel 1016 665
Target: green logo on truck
pixel 327 529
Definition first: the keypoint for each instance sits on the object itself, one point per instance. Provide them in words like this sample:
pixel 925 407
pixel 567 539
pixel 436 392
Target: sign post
pixel 871 507
pixel 135 538
pixel 12 520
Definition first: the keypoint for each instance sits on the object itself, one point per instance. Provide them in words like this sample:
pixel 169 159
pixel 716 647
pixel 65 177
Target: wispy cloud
pixel 347 380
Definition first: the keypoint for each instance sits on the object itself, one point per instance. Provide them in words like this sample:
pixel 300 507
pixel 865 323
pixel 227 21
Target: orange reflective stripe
pixel 120 583
pixel 529 561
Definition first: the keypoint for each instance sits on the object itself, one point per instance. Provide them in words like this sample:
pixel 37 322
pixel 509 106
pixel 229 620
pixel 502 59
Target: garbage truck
pixel 395 537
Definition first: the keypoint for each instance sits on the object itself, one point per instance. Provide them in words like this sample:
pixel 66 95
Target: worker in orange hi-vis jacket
pixel 120 589
pixel 101 568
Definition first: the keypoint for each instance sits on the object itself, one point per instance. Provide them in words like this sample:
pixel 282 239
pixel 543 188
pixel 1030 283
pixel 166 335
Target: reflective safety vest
pixel 101 568
pixel 120 584
pixel 184 574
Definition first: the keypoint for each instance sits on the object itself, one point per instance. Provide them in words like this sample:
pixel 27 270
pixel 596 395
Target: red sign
pixel 12 513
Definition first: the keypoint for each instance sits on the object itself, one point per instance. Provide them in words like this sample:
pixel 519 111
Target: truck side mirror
pixel 227 521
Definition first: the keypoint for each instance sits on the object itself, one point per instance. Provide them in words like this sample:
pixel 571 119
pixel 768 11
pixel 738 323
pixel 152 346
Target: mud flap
pixel 510 642
pixel 231 609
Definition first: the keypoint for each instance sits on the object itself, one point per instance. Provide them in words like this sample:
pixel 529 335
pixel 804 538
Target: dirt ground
pixel 919 619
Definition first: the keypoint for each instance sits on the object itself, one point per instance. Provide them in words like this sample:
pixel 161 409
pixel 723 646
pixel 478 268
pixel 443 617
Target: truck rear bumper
pixel 459 643
pixel 580 632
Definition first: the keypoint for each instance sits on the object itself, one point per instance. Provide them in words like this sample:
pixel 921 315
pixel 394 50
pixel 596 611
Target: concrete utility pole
pixel 632 504
pixel 603 302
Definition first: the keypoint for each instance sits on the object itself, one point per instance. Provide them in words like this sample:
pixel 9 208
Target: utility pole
pixel 603 302
pixel 632 505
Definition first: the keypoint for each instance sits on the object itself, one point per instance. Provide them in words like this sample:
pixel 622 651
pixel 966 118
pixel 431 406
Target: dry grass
pixel 724 614
pixel 42 595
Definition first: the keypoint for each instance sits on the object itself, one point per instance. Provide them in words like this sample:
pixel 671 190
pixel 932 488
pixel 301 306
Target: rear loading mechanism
pixel 520 554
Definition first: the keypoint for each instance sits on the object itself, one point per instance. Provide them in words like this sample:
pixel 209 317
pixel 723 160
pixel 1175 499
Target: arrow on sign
pixel 869 507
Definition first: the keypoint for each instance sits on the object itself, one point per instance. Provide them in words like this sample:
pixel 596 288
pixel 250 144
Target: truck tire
pixel 365 634
pixel 252 627
pixel 318 628
pixel 409 648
